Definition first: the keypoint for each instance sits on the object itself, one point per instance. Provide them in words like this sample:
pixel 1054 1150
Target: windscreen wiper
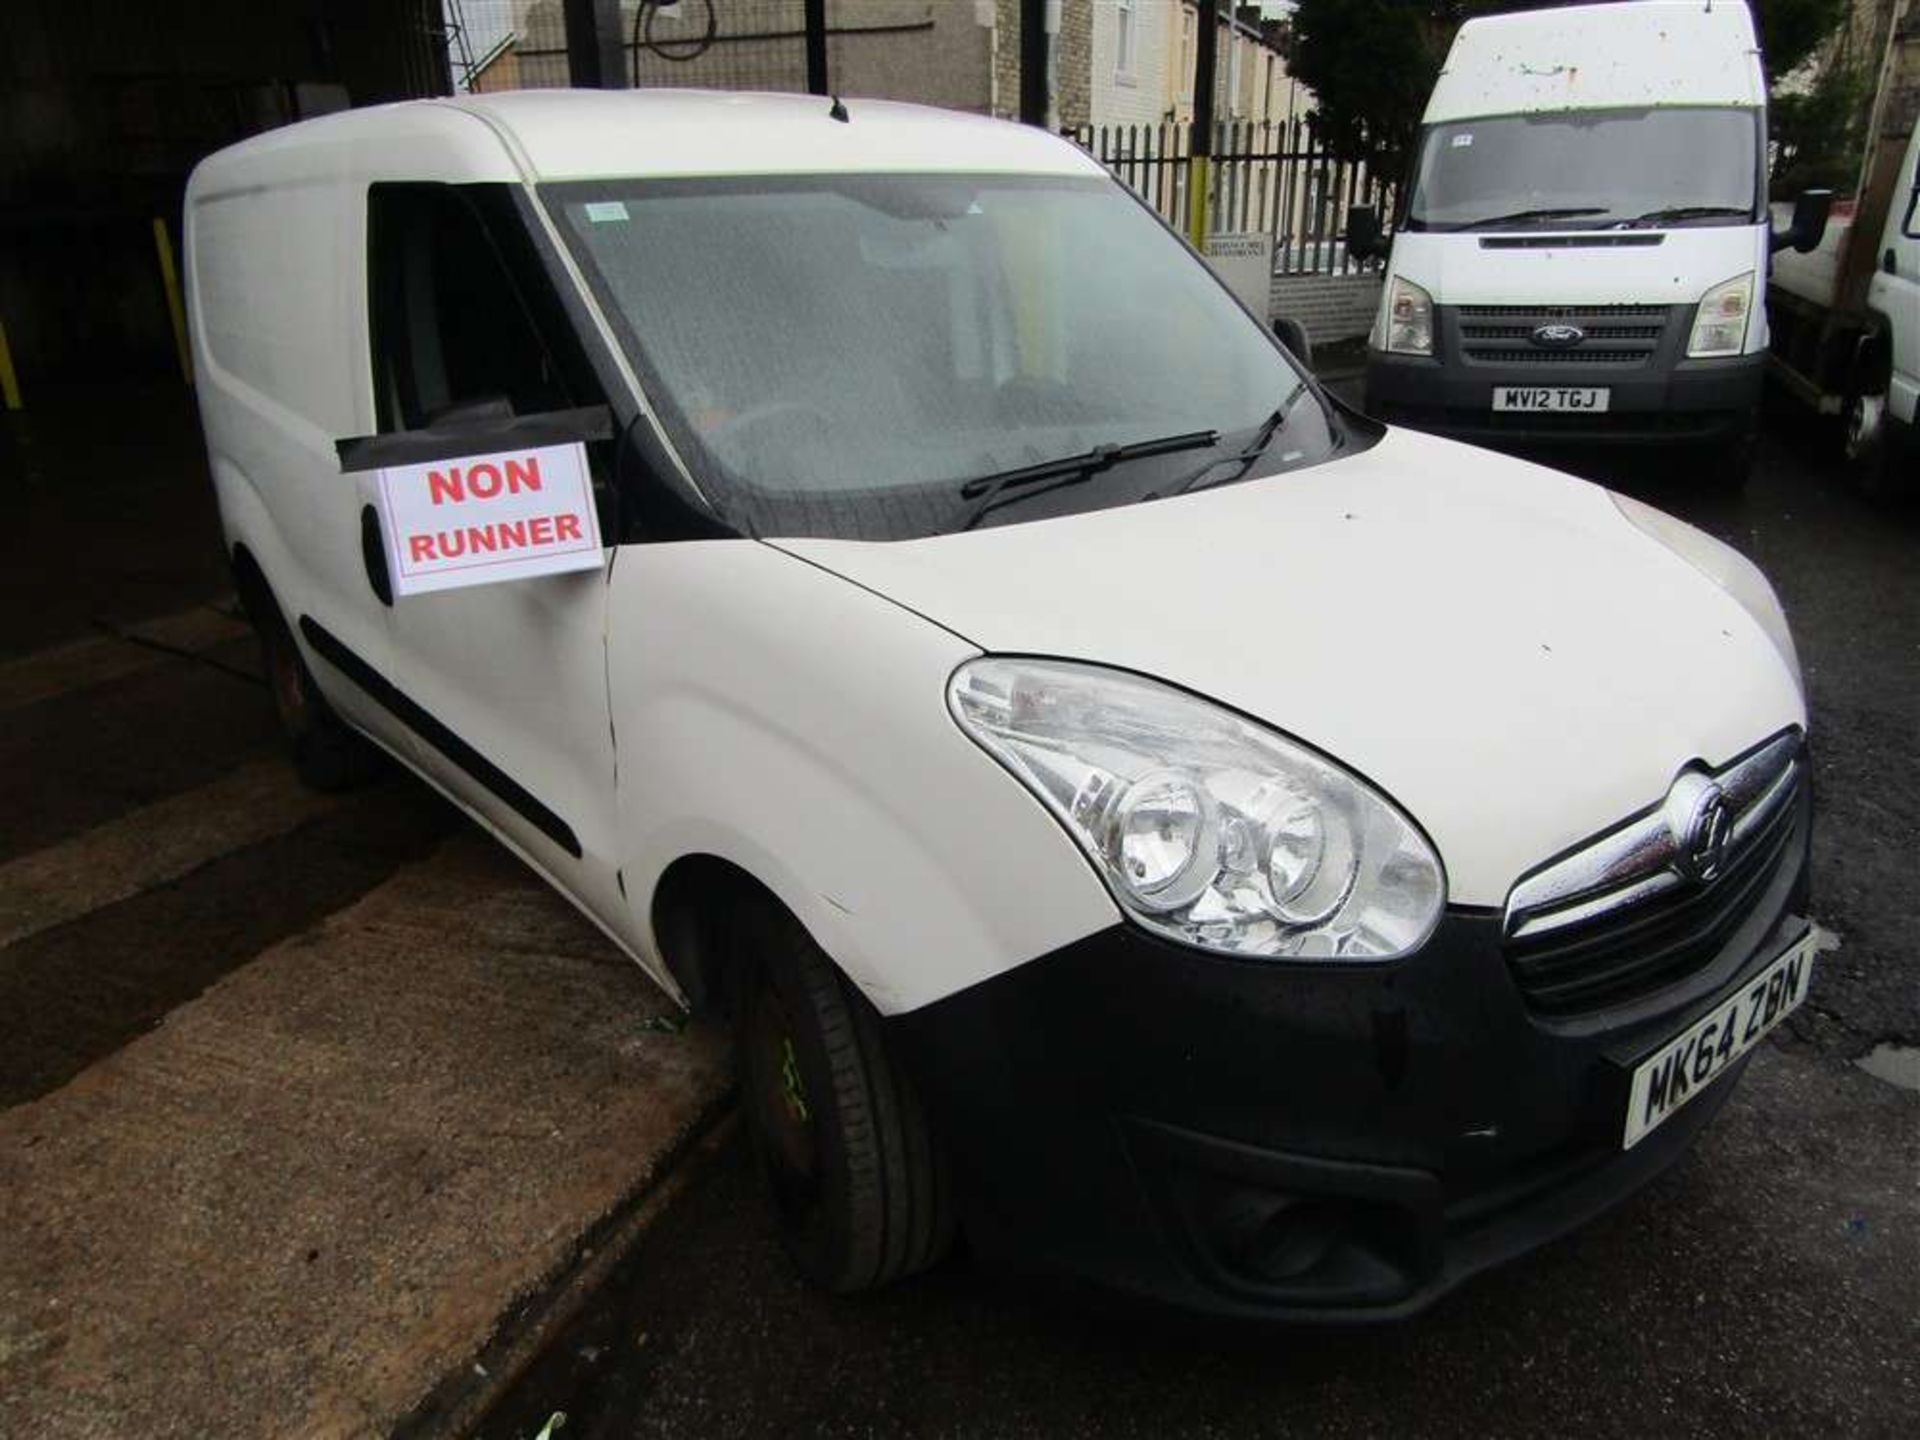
pixel 1030 480
pixel 1689 212
pixel 1254 449
pixel 1518 216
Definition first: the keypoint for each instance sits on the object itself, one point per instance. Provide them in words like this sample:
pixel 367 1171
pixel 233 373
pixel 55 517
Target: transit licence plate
pixel 1693 1059
pixel 1551 398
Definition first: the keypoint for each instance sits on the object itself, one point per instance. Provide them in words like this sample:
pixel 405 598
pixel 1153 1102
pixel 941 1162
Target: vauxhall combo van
pixel 1131 807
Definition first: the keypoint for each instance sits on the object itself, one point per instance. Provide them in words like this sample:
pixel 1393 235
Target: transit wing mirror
pixel 1293 335
pixel 1365 240
pixel 1809 224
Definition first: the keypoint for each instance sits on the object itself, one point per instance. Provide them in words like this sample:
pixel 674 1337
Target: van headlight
pixel 1207 828
pixel 1720 324
pixel 1408 319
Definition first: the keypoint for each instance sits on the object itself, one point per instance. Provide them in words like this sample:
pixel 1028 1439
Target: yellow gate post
pixel 1200 132
pixel 9 382
pixel 1197 202
pixel 176 310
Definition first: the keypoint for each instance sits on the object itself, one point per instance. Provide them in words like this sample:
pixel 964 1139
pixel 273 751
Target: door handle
pixel 1890 262
pixel 373 550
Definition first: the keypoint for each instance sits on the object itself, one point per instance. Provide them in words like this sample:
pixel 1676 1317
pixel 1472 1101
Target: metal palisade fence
pixel 1271 177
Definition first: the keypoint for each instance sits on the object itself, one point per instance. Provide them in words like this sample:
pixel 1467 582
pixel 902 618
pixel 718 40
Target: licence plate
pixel 1550 398
pixel 1693 1059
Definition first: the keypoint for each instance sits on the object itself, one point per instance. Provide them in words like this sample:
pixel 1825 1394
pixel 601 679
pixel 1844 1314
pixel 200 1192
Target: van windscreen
pixel 1588 170
pixel 839 355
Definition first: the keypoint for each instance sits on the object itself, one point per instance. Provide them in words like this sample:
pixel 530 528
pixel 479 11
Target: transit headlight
pixel 1207 828
pixel 1407 319
pixel 1722 564
pixel 1720 324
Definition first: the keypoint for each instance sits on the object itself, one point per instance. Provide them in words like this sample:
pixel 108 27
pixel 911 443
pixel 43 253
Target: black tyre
pixel 859 1184
pixel 1867 446
pixel 327 754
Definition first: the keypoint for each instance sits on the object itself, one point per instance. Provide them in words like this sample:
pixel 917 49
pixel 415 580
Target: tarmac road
pixel 1770 1283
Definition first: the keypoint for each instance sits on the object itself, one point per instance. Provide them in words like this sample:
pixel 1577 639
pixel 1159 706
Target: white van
pixel 1129 805
pixel 1581 253
pixel 1846 318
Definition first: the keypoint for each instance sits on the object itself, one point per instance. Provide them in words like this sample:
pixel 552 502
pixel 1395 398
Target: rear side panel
pixel 276 271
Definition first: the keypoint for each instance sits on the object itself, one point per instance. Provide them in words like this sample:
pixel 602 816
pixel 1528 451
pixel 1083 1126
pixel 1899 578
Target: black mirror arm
pixel 473 434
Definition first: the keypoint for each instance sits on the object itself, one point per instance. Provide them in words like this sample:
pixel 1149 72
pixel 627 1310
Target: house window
pixel 1123 48
pixel 1186 53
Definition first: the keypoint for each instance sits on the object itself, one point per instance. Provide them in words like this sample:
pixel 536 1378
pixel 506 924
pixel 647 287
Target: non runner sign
pixel 478 519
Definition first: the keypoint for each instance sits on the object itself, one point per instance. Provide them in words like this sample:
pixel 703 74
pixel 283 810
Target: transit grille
pixel 1583 356
pixel 1616 920
pixel 1616 336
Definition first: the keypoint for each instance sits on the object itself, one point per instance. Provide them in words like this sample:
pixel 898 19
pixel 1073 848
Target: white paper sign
pixel 1245 261
pixel 478 519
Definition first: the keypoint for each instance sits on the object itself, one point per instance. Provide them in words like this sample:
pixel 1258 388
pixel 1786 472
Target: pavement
pixel 321 1116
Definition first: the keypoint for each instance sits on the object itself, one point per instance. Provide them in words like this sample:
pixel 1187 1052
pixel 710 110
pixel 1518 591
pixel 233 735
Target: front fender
pixel 785 720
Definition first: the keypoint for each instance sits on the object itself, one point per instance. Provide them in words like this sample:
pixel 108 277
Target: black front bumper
pixel 1667 400
pixel 1293 1142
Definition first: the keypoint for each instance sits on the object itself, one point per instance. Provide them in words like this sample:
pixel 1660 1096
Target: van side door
pixel 504 683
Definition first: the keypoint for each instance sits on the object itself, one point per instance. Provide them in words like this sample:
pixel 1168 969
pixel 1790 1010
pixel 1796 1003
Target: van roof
pixel 593 134
pixel 1589 57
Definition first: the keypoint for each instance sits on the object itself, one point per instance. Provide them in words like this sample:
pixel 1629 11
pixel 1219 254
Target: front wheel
pixel 858 1182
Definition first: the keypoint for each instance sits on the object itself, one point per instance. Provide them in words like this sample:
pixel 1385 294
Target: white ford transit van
pixel 1581 253
pixel 1129 805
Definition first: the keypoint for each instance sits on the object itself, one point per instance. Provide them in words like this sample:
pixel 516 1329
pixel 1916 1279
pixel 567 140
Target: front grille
pixel 1582 356
pixel 1616 335
pixel 1617 920
pixel 1540 314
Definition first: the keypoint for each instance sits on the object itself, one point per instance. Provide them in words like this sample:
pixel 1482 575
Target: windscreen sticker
pixel 1460 142
pixel 603 212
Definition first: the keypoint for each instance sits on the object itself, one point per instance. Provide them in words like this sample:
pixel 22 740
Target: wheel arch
pixel 686 916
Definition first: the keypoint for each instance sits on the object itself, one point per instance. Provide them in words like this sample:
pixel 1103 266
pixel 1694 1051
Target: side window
pixel 452 320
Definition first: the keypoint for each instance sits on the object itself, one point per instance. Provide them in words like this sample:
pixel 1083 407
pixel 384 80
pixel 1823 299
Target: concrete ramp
pixel 312 1194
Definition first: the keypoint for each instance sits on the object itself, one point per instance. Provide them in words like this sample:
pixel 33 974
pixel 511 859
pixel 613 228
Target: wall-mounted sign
pixel 478 519
pixel 1245 262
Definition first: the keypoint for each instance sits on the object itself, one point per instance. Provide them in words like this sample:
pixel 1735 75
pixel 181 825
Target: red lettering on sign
pixel 523 474
pixel 500 536
pixel 445 487
pixel 483 480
